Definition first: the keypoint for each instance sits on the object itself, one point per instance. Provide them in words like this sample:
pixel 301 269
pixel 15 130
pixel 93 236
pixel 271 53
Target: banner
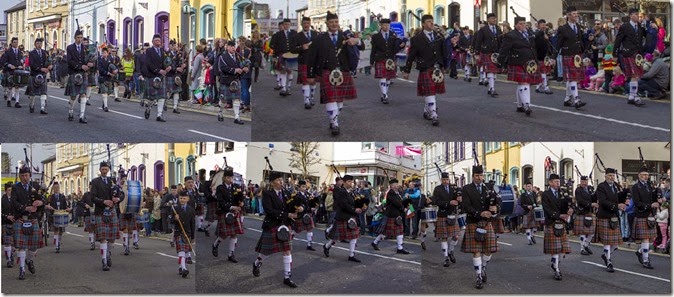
pixel 407 151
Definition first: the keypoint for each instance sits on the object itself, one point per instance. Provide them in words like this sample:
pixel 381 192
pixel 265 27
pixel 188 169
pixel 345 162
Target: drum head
pixel 217 180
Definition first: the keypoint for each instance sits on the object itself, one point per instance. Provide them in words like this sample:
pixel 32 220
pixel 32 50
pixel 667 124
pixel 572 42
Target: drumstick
pixel 183 229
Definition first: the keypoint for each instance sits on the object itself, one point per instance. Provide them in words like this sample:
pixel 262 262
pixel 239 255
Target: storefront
pixel 609 10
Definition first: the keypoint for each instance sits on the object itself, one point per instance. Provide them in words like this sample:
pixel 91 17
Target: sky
pixel 6 4
pixel 40 152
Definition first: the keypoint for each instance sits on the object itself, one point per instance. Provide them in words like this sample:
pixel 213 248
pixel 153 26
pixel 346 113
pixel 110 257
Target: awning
pixel 47 18
pixel 69 168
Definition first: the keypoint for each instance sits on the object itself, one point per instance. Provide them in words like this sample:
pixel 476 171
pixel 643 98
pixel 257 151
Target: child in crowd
pixel 590 70
pixel 608 63
pixel 617 84
pixel 597 81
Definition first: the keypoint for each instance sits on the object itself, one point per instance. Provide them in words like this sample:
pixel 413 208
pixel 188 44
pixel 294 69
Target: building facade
pixel 73 170
pixel 16 23
pixel 49 20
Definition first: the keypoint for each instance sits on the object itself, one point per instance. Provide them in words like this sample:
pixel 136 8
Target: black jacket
pixel 486 42
pixel 280 44
pixel 583 200
pixel 516 49
pixel 187 220
pixel 6 209
pixel 103 69
pixel 473 203
pixel 629 42
pixel 394 205
pixel 154 62
pixel 323 54
pixel 8 58
pixel 228 197
pixel 543 47
pixel 75 59
pixel 642 198
pixel 37 63
pixel 87 198
pixel 608 201
pixel 383 49
pixel 426 53
pixel 441 198
pixel 61 199
pixel 568 42
pixel 527 199
pixel 276 213
pixel 344 205
pixel 553 207
pixel 21 199
pixel 226 67
pixel 100 192
pixel 298 41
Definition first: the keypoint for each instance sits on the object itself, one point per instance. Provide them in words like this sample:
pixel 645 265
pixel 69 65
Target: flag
pixel 410 212
pixel 402 150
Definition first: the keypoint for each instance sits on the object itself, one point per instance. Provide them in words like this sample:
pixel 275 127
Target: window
pixel 219 147
pixel 381 147
pixel 54 3
pixel 180 171
pixel 46 4
pixel 193 30
pixel 202 148
pixel 487 147
pixel 511 144
pixel 497 146
pixel 366 146
pixel 210 25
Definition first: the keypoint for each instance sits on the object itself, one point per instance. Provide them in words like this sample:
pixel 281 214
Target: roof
pixel 19 6
pixel 49 159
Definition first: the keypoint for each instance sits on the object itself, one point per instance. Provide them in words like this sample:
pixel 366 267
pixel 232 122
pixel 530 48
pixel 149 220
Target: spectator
pixel 256 59
pixel 149 204
pixel 651 37
pixel 367 194
pixel 245 50
pixel 660 44
pixel 414 193
pixel 156 211
pixel 662 217
pixel 597 81
pixel 197 87
pixel 599 45
pixel 655 82
pixel 608 63
pixel 128 67
pixel 589 71
pixel 617 84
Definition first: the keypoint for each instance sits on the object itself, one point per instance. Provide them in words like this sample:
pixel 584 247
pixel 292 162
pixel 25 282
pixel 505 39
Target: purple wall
pixel 126 33
pixel 159 175
pixel 161 27
pixel 112 28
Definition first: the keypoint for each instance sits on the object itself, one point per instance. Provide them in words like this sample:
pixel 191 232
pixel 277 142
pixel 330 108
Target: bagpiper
pixel 105 215
pixel 91 56
pixel 229 197
pixel 27 208
pixel 300 45
pixel 447 227
pixel 570 42
pixel 12 60
pixel 306 222
pixel 487 42
pixel 8 225
pixel 645 206
pixel 544 54
pixel 183 236
pixel 77 76
pixel 528 202
pixel 584 225
pixel 385 45
pixel 608 223
pixel 628 43
pixel 156 70
pixel 345 226
pixel 557 215
pixel 174 84
pixel 107 73
pixel 230 71
pixel 394 210
pixel 280 43
pixel 39 69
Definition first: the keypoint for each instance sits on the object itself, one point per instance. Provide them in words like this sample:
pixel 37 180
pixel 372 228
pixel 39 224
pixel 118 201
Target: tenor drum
pixel 429 215
pixel 507 199
pixel 135 194
pixel 290 60
pixel 401 59
pixel 143 217
pixel 539 215
pixel 60 218
pixel 462 220
pixel 21 77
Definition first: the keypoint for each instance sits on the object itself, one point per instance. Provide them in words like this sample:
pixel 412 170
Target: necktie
pixel 286 32
pixel 158 53
pixel 635 28
pixel 39 53
pixel 526 35
pixel 574 28
pixel 105 180
pixel 334 38
pixel 25 187
pixel 309 36
pixel 479 188
pixel 279 195
pixel 555 193
pixel 613 188
pixel 493 30
pixel 185 208
pixel 430 36
pixel 79 49
pixel 447 189
pixel 386 36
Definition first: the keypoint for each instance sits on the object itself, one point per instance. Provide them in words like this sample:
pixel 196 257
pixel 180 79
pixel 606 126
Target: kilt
pixel 489 67
pixel 269 244
pixel 34 90
pixel 72 90
pixel 553 244
pixel 571 73
pixel 640 230
pixel 127 223
pixel 171 86
pixel 279 66
pixel 462 58
pixel 498 226
pixel 381 72
pixel 6 82
pixel 8 234
pixel 106 231
pixel 200 209
pixel 91 77
pixel 544 69
pixel 528 220
pixel 226 95
pixel 426 86
pixel 89 224
pixel 341 232
pixel 155 93
pixel 210 211
pixel 579 225
pixel 299 226
pixel 302 73
pixel 181 245
pixel 392 230
pixel 224 230
pixel 330 93
pixel 30 242
pixel 444 230
pixel 106 86
pixel 606 235
pixel 469 245
pixel 519 74
pixel 630 68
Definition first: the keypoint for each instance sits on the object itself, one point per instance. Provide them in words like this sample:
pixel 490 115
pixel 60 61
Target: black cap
pixel 172 42
pixel 303 183
pixel 104 164
pixel 306 19
pixel 571 9
pixel 520 19
pixel 183 193
pixel 8 185
pixel 202 171
pixel 633 10
pixel 146 44
pixel 478 169
pixel 583 177
pixel 643 169
pixel 231 43
pixel 39 40
pixel 426 17
pixel 347 177
pixel 542 21
pixel 528 182
pixel 24 169
pixel 338 179
pixel 229 171
pixel 275 175
pixel 331 16
pixel 85 39
pixel 553 176
pixel 385 21
pixel 392 181
pixel 188 178
pixel 173 187
pixel 610 170
pixel 156 36
pixel 286 20
pixel 445 175
pixel 491 15
pixel 211 173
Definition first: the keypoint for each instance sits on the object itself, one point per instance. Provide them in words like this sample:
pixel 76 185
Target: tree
pixel 303 156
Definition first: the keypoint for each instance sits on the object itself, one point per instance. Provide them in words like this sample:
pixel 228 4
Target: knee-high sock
pixel 545 79
pixel 607 251
pixel 290 80
pixel 71 105
pixel 443 246
pixel 182 260
pixel 260 258
pixel 528 231
pixel 382 86
pixel 176 98
pixel 160 107
pixel 115 90
pixel 22 258
pixel 287 265
pixel 105 100
pixel 232 245
pixel 104 250
pixel 15 94
pixel 634 86
pixel 589 239
pixel 83 106
pixel 200 221
pixel 485 260
pixel 574 88
pixel 8 252
pixel 91 237
pixel 582 242
pixel 310 238
pixel 423 236
pixel 89 92
pixel 135 236
pixel 284 82
pixel 483 75
pixel 306 91
pixel 452 243
pixel 430 104
pixel 340 105
pixel 43 101
pixel 313 89
pixel 399 241
pixel 57 240
pixel 125 238
pixel 333 112
pixel 477 265
pixel 330 243
pixel 518 96
pixel 236 106
pixel 524 94
pixel 379 238
pixel 555 261
pixel 568 91
pixel 217 241
pixel 644 251
pixel 490 77
pixel 352 247
pixel 466 70
pixel 18 95
pixel 278 79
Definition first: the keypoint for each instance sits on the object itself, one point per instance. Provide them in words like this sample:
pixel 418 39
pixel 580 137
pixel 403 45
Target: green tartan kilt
pixel 34 90
pixel 73 90
pixel 155 93
pixel 171 86
pixel 91 76
pixel 106 86
pixel 226 95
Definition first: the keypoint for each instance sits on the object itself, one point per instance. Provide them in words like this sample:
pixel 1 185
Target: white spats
pixel 232 244
pixel 430 105
pixel 574 88
pixel 104 250
pixel 284 82
pixel 83 106
pixel 443 246
pixel 105 100
pixel 634 86
pixel 352 247
pixel 333 113
pixel 399 241
pixel 236 106
pixel 43 101
pixel 160 107
pixel 306 91
pixel 490 77
pixel 176 98
pixel 477 265
pixel 452 244
pixel 524 92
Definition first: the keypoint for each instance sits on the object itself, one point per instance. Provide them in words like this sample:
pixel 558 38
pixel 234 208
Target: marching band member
pixel 57 201
pixel 608 223
pixel 309 206
pixel 328 57
pixel 557 214
pixel 87 203
pixel 645 206
pixel 8 225
pixel 465 42
pixel 528 202
pixel 570 42
pixel 230 71
pixel 156 77
pixel 106 77
pixel 585 225
pixel 479 239
pixel 448 203
pixel 628 43
pixel 273 202
pixel 91 74
pixel 105 215
pixel 385 45
pixel 427 50
pixel 345 226
pixel 543 48
pixel 77 68
pixel 192 192
pixel 184 217
pixel 395 213
pixel 38 66
pixel 518 49
pixel 172 89
pixel 127 221
pixel 117 61
pixel 487 42
pixel 12 60
pixel 280 43
pixel 211 203
pixel 27 207
pixel 229 197
pixel 300 45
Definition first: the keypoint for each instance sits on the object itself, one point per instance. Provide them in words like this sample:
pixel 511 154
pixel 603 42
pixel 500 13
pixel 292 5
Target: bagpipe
pixel 622 194
pixel 656 195
pixel 531 65
pixel 551 53
pixel 590 188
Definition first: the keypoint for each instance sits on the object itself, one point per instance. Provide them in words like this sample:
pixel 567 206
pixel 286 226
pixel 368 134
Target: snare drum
pixel 21 77
pixel 290 61
pixel 539 215
pixel 429 215
pixel 134 196
pixel 60 218
pixel 401 59
pixel 143 217
pixel 462 220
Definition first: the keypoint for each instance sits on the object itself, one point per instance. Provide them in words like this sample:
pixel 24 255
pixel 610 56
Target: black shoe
pixel 426 116
pixel 238 121
pixel 42 111
pixel 289 283
pixel 520 109
pixel 310 248
pixel 9 103
pixel 10 263
pixel 423 246
pixel 538 90
pixel 588 250
pixel 446 263
pixel 481 83
pixel 117 100
pixel 568 103
pixel 527 110
pixel 232 259
pixel 639 257
pixel 354 259
pixel 126 251
pixel 106 109
pixel 584 252
pixel 609 267
pixel 533 239
pixel 451 257
pixel 478 283
pixel 276 88
pixel 83 120
pixel 17 105
pixel 147 113
pixel 22 273
pixel 578 104
pixel 484 274
pixel 142 103
pixel 214 250
pixel 603 257
pixel 384 99
pixel 88 103
pixel 175 110
pixel 256 270
pixel 185 272
pixel 435 122
pixel 208 234
pixel 93 246
pixel 31 266
pixel 307 105
pixel 548 92
pixel 326 251
pixel 647 265
pixel 492 93
pixel 402 251
pixel 639 103
pixel 374 246
pixel 334 130
pixel 558 275
pixel 31 109
pixel 160 119
pixel 135 245
pixel 283 93
pixel 221 118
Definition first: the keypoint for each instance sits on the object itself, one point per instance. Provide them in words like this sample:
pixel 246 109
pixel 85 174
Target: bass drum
pixel 507 199
pixel 217 180
pixel 134 197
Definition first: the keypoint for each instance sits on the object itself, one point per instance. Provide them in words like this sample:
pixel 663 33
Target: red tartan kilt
pixel 392 230
pixel 8 234
pixel 225 229
pixel 200 209
pixel 489 67
pixel 470 245
pixel 330 93
pixel 128 224
pixel 544 69
pixel 269 244
pixel 571 72
pixel 640 230
pixel 302 73
pixel 579 225
pixel 444 230
pixel 381 72
pixel 107 231
pixel 279 65
pixel 299 226
pixel 181 246
pixel 606 235
pixel 518 73
pixel 630 68
pixel 499 228
pixel 528 220
pixel 426 86
pixel 30 242
pixel 210 211
pixel 341 232
pixel 89 225
pixel 462 58
pixel 553 244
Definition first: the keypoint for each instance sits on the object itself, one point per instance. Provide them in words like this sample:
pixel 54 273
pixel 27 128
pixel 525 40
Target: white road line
pixel 346 249
pixel 211 135
pixel 166 255
pixel 602 118
pixel 505 243
pixel 78 235
pixel 113 111
pixel 405 80
pixel 630 272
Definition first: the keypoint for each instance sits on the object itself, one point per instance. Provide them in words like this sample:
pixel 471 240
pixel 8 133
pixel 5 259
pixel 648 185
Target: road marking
pixel 166 255
pixel 630 272
pixel 345 249
pixel 405 80
pixel 113 111
pixel 505 243
pixel 211 135
pixel 78 235
pixel 602 118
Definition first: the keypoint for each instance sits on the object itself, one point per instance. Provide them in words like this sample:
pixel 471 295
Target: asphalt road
pixel 466 112
pixel 382 272
pixel 124 122
pixel 518 268
pixel 152 269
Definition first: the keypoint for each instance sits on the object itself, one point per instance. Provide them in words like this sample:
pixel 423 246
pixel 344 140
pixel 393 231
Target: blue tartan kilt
pixel 31 241
pixel 181 245
pixel 106 86
pixel 106 231
pixel 171 86
pixel 8 234
pixel 72 90
pixel 155 93
pixel 226 95
pixel 91 78
pixel 34 90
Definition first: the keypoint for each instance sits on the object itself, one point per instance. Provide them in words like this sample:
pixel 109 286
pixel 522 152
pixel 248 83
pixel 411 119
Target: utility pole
pixel 185 21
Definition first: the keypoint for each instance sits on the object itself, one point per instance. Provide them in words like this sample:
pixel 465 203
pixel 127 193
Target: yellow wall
pixel 503 159
pixel 180 150
pixel 223 16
